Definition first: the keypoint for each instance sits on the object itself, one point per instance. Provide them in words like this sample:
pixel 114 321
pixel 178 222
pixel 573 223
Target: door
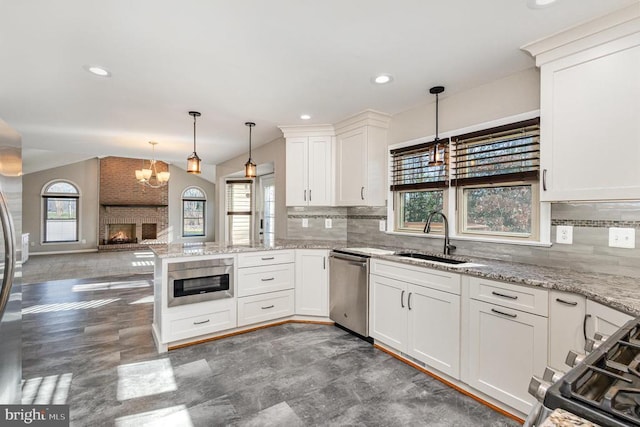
pixel 506 348
pixel 319 171
pixel 351 165
pixel 603 319
pixel 434 328
pixel 297 164
pixel 266 211
pixel 312 284
pixel 388 311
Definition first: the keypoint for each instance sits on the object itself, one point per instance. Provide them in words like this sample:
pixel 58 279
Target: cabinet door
pixel 603 319
pixel 312 284
pixel 351 165
pixel 388 311
pixel 566 316
pixel 296 168
pixel 506 347
pixel 319 171
pixel 434 328
pixel 589 130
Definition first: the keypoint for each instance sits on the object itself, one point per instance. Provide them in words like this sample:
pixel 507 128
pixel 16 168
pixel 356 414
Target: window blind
pixel 410 168
pixel 501 154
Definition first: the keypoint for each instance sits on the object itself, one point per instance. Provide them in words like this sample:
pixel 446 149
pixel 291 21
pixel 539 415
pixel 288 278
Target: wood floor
pixel 88 343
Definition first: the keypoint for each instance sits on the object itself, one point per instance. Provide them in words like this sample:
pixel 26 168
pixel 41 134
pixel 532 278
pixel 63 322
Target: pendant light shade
pixel 193 161
pixel 437 159
pixel 250 167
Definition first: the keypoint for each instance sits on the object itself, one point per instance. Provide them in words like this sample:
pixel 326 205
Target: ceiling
pixel 243 60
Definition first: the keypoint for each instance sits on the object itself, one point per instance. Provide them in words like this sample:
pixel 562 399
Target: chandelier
pixel 150 176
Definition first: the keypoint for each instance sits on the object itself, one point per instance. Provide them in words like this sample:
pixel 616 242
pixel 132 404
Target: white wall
pixel 514 94
pixel 274 152
pixel 85 175
pixel 180 180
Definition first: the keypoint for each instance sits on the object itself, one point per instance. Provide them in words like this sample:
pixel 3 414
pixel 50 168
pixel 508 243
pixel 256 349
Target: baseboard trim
pixel 449 384
pixel 78 251
pixel 247 330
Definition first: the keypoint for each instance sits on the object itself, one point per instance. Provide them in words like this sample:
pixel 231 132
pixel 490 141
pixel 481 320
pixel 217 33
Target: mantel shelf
pixel 132 205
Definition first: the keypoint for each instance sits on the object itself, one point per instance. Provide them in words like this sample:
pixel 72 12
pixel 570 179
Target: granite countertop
pixel 619 292
pixel 562 418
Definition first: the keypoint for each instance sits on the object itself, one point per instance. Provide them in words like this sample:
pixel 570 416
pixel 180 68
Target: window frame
pixel 46 194
pixel 203 200
pixel 398 201
pixel 541 211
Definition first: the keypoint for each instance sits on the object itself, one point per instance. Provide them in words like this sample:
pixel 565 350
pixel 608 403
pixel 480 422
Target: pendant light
pixel 193 161
pixel 437 160
pixel 250 167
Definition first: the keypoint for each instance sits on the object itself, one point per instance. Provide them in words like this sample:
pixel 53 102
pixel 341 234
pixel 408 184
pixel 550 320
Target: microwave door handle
pixel 6 222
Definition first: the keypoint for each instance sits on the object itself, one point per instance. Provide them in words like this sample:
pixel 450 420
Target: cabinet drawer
pixel 260 280
pixel 254 259
pixel 260 308
pixel 429 278
pixel 222 315
pixel 524 298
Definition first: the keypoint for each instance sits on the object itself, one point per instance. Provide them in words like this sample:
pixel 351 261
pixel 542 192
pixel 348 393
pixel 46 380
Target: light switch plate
pixel 382 225
pixel 305 222
pixel 622 237
pixel 564 234
pixel 327 223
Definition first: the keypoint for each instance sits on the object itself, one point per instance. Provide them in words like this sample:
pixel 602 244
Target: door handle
pixel 362 193
pixel 402 299
pixel 309 195
pixel 571 303
pixel 504 314
pixel 305 195
pixel 544 180
pixel 584 326
pixel 268 307
pixel 269 279
pixel 200 323
pixel 267 258
pixel 409 300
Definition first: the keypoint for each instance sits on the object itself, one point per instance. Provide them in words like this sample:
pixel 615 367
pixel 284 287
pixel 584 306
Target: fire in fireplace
pixel 121 233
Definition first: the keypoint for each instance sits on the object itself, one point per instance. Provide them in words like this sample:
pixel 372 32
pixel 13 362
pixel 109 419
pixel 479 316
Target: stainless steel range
pixel 603 387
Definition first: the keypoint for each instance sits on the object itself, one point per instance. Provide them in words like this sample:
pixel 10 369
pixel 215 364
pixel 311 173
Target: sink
pixel 433 258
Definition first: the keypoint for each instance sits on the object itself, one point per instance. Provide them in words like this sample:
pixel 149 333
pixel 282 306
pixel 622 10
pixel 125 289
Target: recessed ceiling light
pixel 539 4
pixel 97 70
pixel 382 79
pixel 305 117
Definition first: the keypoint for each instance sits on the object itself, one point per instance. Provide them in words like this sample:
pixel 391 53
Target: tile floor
pixel 87 342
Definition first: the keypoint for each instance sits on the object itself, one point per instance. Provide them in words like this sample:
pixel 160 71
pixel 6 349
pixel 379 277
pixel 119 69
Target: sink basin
pixel 430 258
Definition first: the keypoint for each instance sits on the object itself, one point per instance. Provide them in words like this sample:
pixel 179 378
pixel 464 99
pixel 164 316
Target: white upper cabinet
pixel 361 160
pixel 309 165
pixel 590 110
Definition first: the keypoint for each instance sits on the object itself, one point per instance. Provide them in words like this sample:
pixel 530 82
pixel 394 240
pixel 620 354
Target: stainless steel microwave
pixel 197 281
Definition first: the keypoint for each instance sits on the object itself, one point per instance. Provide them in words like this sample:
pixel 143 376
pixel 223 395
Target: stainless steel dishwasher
pixel 349 291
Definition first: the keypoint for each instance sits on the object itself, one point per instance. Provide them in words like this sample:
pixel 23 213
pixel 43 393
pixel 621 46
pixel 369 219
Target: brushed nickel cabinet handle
pixel 504 314
pixel 409 300
pixel 362 193
pixel 584 326
pixel 269 279
pixel 544 180
pixel 200 323
pixel 309 195
pixel 498 294
pixel 402 299
pixel 571 303
pixel 305 195
pixel 268 258
pixel 268 307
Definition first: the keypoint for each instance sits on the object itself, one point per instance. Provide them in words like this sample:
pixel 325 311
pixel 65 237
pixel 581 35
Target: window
pixel 496 175
pixel 419 179
pixel 60 207
pixel 239 208
pixel 193 212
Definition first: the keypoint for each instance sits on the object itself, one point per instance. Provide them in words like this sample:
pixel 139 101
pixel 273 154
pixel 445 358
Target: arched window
pixel 193 212
pixel 60 207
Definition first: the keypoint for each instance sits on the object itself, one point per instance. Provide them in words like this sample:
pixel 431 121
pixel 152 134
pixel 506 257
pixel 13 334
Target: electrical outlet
pixel 382 225
pixel 564 234
pixel 305 222
pixel 622 237
pixel 327 223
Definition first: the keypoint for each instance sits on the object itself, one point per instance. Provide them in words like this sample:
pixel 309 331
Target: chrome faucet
pixel 448 247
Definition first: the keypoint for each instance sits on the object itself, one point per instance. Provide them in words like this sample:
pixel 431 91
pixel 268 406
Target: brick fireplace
pixel 131 215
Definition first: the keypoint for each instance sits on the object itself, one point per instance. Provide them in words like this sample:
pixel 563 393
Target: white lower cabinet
pixel 603 319
pixel 419 321
pixel 506 348
pixel 192 320
pixel 260 308
pixel 312 282
pixel 566 320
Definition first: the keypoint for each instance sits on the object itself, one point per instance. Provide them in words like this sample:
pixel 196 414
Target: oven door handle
pixel 345 257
